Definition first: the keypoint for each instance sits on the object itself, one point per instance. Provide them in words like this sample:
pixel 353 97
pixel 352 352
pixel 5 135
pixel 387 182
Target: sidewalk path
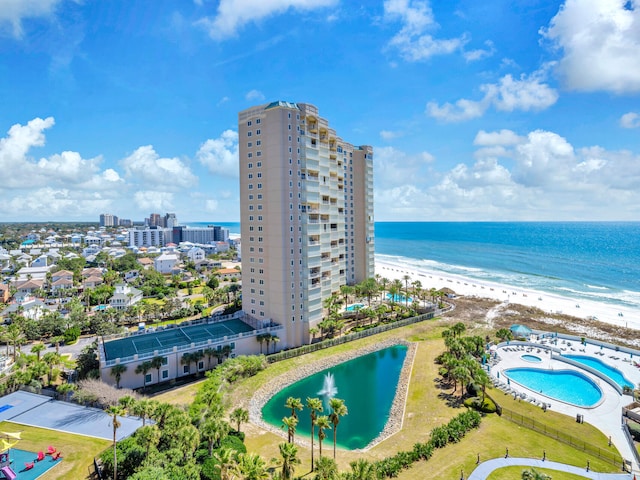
pixel 486 468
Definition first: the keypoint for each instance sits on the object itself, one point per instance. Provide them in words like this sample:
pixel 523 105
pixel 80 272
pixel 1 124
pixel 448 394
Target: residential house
pixel 61 284
pixel 5 294
pixel 62 275
pixel 125 296
pixel 146 262
pixel 92 281
pixel 196 254
pixel 207 264
pixel 166 262
pixel 228 273
pixel 25 305
pixel 30 286
pixel 41 261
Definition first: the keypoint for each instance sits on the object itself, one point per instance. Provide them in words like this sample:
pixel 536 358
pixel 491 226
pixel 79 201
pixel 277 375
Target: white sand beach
pixel 623 317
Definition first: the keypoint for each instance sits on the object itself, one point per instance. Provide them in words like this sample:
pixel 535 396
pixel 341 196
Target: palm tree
pixel 143 368
pixel 114 411
pixel 66 388
pixel 239 415
pixel 252 466
pixel 294 404
pixel 338 409
pixel 143 409
pixel 290 424
pixel 323 423
pixel 315 405
pixel 14 335
pixel 51 359
pixel 225 462
pixel 406 279
pixel 289 454
pixel 186 359
pixel 37 348
pixel 116 371
pixel 362 469
pixel 209 352
pixel 326 469
pixel 213 429
pixel 260 339
pixel 148 436
pixel 156 362
pixel 275 339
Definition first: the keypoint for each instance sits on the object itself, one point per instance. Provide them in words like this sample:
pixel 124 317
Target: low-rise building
pixel 166 262
pixel 125 296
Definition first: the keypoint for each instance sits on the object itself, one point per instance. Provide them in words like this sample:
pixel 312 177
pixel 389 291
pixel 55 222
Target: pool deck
pixel 606 416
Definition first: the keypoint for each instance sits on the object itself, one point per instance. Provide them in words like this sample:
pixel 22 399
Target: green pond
pixel 367 384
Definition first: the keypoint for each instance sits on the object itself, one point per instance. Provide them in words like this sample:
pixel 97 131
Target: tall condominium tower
pixel 306 200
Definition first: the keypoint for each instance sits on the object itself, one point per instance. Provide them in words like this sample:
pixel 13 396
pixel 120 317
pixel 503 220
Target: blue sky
pixel 492 110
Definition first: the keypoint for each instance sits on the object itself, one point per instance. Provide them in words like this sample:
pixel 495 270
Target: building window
pixel 258 143
pixel 185 369
pixel 259 154
pixel 249 165
pixel 201 365
pixel 248 134
pixel 258 120
pixel 249 123
pixel 259 185
pixel 165 360
pixel 147 378
pixel 250 175
pixel 258 164
pixel 165 374
pixel 249 144
pixel 249 155
pixel 258 132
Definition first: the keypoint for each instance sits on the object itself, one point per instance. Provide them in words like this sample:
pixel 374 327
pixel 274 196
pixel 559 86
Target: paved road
pixel 74 349
pixel 483 470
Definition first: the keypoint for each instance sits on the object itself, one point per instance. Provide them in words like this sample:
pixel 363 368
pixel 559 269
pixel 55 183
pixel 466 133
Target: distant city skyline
pixel 476 111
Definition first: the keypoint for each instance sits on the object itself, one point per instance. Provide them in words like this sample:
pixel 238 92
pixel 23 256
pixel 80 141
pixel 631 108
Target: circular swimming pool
pixel 565 385
pixel 531 358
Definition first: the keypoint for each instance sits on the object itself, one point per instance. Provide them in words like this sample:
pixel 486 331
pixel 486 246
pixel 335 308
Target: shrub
pixel 488 406
pixel 234 443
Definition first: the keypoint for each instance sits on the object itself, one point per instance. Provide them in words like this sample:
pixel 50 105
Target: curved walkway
pixel 486 468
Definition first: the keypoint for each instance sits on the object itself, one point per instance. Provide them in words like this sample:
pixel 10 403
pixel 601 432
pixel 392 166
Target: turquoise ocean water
pixel 597 261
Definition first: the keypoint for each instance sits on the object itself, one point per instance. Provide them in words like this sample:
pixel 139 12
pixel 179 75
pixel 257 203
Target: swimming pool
pixel 611 372
pixel 531 358
pixel 399 298
pixel 354 306
pixel 564 385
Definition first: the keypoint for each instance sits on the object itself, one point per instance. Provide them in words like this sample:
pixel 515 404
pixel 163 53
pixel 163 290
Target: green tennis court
pixel 172 337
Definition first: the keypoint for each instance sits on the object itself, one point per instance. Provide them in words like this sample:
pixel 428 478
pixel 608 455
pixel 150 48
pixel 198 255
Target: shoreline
pixel 550 303
pixel 396 413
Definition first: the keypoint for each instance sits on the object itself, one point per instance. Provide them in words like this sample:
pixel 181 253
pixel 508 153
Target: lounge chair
pixel 51 450
pixel 56 456
pixel 28 465
pixel 40 456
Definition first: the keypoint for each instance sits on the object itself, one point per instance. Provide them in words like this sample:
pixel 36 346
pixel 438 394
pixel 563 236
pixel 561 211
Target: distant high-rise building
pixel 149 237
pixel 201 235
pixel 108 220
pixel 155 220
pixel 306 208
pixel 170 220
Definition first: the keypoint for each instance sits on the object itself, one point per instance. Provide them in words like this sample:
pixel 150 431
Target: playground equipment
pixel 7 441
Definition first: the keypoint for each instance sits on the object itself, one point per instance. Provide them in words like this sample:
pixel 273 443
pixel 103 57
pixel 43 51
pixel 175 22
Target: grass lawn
pixel 77 451
pixel 509 473
pixel 429 404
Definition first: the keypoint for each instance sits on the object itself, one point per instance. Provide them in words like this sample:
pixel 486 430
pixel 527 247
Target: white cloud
pixel 503 137
pixel 480 54
pixel 630 120
pixel 12 12
pixel 211 205
pixel 509 94
pixel 412 41
pixel 220 155
pixel 536 176
pixel 145 166
pixel 389 135
pixel 232 15
pixel 51 203
pixel 394 167
pixel 254 95
pixel 153 200
pixel 599 41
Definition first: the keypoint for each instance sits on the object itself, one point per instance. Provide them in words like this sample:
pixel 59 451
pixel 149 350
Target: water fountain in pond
pixel 329 389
